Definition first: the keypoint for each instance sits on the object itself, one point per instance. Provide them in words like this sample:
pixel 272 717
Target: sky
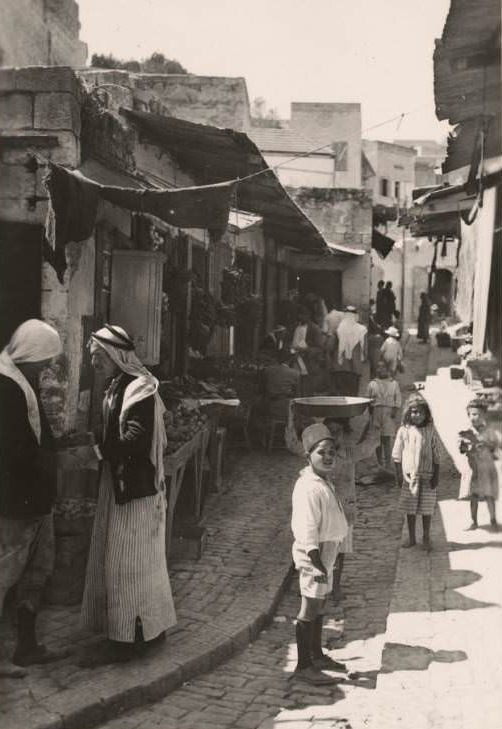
pixel 376 52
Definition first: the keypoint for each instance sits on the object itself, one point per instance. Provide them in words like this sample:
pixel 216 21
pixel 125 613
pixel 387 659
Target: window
pixel 397 190
pixel 384 187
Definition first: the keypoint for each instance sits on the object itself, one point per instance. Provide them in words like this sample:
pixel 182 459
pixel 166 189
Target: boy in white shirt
pixel 319 527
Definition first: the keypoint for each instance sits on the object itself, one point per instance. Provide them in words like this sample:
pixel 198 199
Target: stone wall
pixel 41 32
pixel 40 112
pixel 216 100
pixel 345 218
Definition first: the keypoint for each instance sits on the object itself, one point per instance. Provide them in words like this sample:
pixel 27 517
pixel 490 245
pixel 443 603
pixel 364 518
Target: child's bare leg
pixel 387 451
pixel 380 452
pixel 337 576
pixel 426 524
pixel 411 519
pixel 474 513
pixel 490 503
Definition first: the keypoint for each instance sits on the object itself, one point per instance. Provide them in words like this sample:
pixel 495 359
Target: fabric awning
pixel 211 154
pixel 439 211
pixel 240 220
pixel 338 249
pixel 381 243
pixel 74 198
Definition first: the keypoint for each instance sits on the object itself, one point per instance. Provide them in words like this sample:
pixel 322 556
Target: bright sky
pixel 376 52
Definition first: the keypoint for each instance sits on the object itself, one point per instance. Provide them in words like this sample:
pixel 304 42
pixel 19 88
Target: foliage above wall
pixel 156 63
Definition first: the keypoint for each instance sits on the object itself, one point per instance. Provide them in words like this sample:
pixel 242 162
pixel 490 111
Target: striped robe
pixel 417 449
pixel 127 574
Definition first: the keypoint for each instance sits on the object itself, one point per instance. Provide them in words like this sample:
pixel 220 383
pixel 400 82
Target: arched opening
pixel 441 292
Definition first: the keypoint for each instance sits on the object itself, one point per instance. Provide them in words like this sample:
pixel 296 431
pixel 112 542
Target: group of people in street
pixel 324 502
pixel 127 594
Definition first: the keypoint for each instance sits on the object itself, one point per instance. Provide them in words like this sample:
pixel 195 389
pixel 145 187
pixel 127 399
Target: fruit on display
pixel 182 423
pixel 187 386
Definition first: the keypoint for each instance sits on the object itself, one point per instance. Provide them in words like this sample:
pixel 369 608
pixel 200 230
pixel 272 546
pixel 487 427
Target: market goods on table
pixel 331 406
pixel 182 423
pixel 179 388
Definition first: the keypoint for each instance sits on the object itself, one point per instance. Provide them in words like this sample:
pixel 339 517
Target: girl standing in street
pixel 416 458
pixel 482 445
pixel 386 397
pixel 319 527
pixel 127 592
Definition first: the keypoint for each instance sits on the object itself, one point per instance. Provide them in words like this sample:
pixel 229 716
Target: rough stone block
pixel 68 150
pixel 7 79
pixel 16 111
pixel 44 78
pixel 16 182
pixel 57 111
pixel 18 210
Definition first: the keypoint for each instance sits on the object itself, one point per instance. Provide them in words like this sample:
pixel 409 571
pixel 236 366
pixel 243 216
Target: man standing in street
pixel 28 476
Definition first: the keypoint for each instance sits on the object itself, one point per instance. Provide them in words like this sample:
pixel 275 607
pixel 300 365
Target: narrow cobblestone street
pixel 255 688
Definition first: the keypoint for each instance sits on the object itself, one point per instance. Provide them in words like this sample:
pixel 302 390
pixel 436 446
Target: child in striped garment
pixel 416 459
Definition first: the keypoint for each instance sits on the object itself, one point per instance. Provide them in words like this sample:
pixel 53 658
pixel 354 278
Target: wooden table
pixel 175 465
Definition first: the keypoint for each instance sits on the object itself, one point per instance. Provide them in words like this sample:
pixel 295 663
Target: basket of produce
pixel 182 424
pixel 331 407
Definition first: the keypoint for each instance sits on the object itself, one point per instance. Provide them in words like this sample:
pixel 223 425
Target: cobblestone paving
pixel 231 585
pixel 253 688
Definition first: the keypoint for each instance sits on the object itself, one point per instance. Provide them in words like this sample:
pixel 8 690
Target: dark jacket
pixel 27 470
pixel 129 455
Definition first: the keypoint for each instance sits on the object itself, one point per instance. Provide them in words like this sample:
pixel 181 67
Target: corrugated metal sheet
pixel 286 140
pixel 211 155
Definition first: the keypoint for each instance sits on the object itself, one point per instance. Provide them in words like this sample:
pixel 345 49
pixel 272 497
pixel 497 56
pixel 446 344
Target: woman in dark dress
pixel 424 318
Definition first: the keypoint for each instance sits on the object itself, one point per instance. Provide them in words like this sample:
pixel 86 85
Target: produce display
pixel 182 423
pixel 179 388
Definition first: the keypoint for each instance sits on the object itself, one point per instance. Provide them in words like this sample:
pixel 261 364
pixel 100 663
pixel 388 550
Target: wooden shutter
pixel 136 299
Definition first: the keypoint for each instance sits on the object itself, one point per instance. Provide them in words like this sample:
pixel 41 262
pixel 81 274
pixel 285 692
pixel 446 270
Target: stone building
pixel 41 32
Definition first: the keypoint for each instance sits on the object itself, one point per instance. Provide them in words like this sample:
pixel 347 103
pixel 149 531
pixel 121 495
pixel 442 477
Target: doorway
pixel 20 275
pixel 326 284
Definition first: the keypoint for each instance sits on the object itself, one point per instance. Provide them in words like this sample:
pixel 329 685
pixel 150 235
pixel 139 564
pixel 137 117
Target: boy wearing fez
pixel 319 527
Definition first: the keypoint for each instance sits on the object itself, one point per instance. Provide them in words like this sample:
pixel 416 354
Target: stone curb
pixel 133 685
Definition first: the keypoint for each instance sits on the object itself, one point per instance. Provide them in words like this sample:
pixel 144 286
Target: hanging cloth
pixel 74 198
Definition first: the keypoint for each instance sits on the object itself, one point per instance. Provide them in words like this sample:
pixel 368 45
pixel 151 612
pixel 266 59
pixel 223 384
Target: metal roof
pixel 287 141
pixel 211 154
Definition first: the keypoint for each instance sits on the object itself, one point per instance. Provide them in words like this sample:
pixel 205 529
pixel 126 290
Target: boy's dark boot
pixel 28 652
pixel 322 660
pixel 305 670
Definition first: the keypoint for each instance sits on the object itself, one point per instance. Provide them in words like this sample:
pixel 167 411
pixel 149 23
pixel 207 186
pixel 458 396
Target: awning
pixel 241 220
pixel 212 155
pixel 381 243
pixel 74 201
pixel 440 210
pixel 337 249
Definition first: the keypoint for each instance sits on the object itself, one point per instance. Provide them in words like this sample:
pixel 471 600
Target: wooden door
pixel 136 299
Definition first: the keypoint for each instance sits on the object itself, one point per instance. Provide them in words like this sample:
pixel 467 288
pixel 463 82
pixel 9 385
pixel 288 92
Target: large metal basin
pixel 331 406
